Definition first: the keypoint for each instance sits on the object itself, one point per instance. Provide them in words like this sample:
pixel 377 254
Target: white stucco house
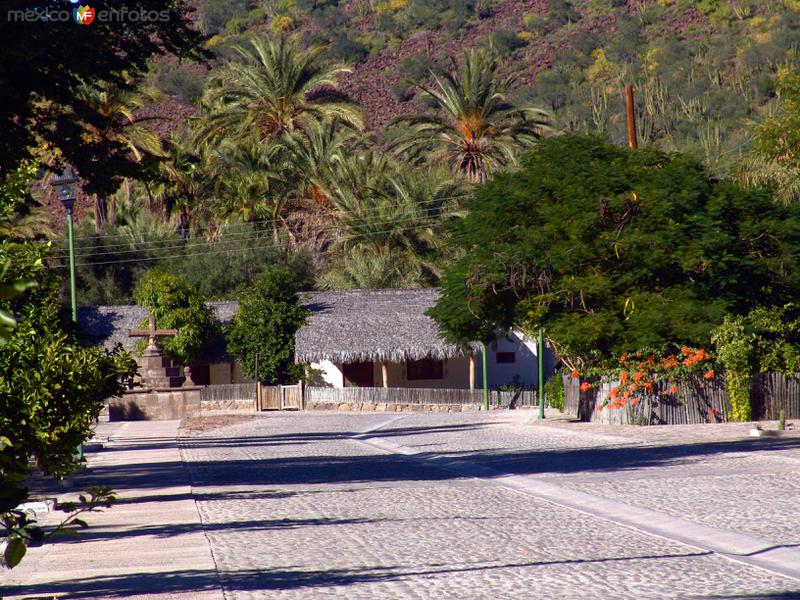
pixel 372 338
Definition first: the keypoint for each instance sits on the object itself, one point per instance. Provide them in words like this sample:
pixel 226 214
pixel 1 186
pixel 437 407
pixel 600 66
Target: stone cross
pixel 151 334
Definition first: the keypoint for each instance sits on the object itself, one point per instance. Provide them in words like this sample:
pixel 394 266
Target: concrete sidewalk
pixel 150 544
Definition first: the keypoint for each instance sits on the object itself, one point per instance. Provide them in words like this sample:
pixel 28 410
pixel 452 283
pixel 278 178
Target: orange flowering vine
pixel 643 374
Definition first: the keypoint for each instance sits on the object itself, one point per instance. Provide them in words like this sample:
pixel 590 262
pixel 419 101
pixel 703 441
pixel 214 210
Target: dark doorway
pixel 360 374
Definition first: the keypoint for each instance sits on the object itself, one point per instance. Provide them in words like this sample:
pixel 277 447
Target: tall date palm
pixel 274 87
pixel 476 130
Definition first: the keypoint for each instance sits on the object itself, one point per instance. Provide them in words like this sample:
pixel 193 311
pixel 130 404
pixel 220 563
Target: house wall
pixel 226 372
pixel 325 374
pixel 456 370
pixel 525 366
pixel 456 375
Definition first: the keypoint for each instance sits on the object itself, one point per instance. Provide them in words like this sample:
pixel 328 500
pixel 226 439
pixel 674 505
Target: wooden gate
pixel 281 397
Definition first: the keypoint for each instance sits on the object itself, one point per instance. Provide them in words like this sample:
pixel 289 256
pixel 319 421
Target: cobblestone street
pixel 476 505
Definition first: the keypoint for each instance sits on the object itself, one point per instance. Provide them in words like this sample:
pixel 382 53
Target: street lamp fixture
pixel 66 188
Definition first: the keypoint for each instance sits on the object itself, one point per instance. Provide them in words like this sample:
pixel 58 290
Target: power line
pixel 227 250
pixel 253 223
pixel 241 236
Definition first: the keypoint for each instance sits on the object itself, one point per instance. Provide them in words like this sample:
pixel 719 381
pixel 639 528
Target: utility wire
pixel 236 236
pixel 227 250
pixel 253 223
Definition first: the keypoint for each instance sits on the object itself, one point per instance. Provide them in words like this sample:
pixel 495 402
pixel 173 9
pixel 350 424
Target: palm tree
pixel 755 169
pixel 273 88
pixel 255 181
pixel 389 218
pixel 187 183
pixel 476 130
pixel 109 116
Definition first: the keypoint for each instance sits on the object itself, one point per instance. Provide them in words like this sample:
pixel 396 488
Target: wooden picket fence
pixel 697 401
pixel 228 392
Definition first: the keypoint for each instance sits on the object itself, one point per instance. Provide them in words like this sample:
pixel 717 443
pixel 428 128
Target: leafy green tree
pixel 476 130
pixel 613 251
pixel 22 216
pixel 51 389
pixel 177 305
pixel 45 66
pixel 273 88
pixel 269 315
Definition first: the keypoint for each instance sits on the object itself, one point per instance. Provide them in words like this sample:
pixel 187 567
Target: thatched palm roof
pixel 348 326
pixel 371 325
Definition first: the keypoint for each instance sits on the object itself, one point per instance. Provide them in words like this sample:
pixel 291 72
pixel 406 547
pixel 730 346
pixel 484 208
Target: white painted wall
pixel 326 374
pixel 526 365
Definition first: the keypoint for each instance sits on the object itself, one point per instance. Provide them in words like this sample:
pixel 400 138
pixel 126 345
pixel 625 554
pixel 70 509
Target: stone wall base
pixel 155 405
pixel 244 405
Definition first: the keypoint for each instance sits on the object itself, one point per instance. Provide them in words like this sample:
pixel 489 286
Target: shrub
pixel 51 388
pixel 217 13
pixel 176 304
pixel 347 49
pixel 281 23
pixel 734 353
pixel 505 42
pixel 554 391
pixel 264 326
pixel 180 81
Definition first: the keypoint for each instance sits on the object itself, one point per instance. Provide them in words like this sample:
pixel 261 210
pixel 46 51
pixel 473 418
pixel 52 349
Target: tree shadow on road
pixel 294 578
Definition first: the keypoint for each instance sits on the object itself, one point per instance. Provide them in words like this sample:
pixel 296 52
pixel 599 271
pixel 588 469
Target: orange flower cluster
pixel 586 386
pixel 575 374
pixel 640 376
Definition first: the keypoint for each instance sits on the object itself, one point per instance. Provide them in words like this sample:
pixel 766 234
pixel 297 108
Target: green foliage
pixel 505 42
pixel 613 251
pixel 273 87
pixel 217 13
pixel 347 49
pixel 774 159
pixel 265 325
pixel 554 391
pixel 21 215
pixel 561 12
pixel 177 305
pixel 46 67
pixel 51 389
pixel 476 130
pixel 734 348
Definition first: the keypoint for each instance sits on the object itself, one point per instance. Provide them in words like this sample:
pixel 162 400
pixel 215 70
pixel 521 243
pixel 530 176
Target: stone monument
pixel 156 369
pixel 164 392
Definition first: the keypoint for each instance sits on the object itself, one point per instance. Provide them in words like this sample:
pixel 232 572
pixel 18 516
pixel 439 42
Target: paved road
pixel 488 506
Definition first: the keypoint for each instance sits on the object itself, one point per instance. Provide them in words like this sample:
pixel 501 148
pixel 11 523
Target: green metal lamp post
pixel 66 190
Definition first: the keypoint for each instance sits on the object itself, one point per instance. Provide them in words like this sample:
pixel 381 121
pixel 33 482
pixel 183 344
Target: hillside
pixel 703 70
